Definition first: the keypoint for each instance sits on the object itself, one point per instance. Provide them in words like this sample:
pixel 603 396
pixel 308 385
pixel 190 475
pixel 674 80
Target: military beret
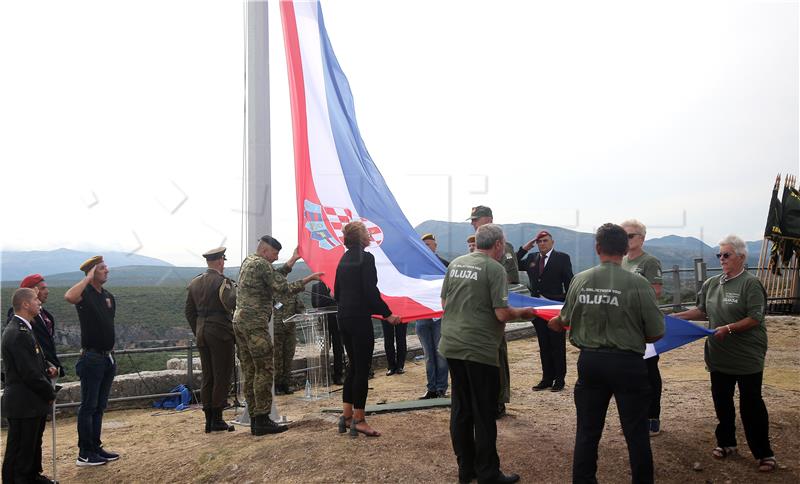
pixel 91 262
pixel 471 239
pixel 271 241
pixel 480 211
pixel 215 254
pixel 428 237
pixel 543 233
pixel 31 281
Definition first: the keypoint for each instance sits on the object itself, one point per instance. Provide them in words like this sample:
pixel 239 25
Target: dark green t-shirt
pixel 609 307
pixel 725 303
pixel 475 284
pixel 645 265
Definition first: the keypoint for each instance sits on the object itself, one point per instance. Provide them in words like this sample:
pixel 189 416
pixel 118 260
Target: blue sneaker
pixel 109 456
pixel 88 459
pixel 655 427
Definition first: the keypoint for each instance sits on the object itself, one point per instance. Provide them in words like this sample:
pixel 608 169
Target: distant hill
pixel 18 264
pixel 671 249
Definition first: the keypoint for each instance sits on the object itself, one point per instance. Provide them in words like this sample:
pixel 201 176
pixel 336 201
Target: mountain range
pixel 136 270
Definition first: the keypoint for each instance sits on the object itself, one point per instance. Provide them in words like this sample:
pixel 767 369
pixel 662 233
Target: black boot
pixel 217 423
pixel 264 425
pixel 208 413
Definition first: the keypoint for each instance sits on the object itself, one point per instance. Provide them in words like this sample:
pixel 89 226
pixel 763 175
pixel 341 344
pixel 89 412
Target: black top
pixel 96 313
pixel 444 261
pixel 44 331
pixel 28 391
pixel 356 287
pixel 554 281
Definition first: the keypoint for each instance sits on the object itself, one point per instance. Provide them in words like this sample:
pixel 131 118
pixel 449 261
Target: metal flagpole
pixel 53 424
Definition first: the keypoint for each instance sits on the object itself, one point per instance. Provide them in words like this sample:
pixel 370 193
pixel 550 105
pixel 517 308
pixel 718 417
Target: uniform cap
pixel 471 239
pixel 428 237
pixel 271 241
pixel 215 254
pixel 91 262
pixel 31 281
pixel 541 234
pixel 480 211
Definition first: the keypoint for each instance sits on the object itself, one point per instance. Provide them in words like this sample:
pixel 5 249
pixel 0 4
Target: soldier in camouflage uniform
pixel 285 340
pixel 481 216
pixel 210 302
pixel 259 284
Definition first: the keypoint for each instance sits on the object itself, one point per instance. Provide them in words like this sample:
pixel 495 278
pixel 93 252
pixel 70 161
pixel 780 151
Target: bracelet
pixel 730 331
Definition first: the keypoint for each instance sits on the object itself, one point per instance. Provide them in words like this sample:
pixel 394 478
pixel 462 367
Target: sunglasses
pixel 724 255
pixel 630 236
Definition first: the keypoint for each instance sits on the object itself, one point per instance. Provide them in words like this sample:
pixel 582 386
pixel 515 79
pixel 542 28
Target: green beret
pixel 91 262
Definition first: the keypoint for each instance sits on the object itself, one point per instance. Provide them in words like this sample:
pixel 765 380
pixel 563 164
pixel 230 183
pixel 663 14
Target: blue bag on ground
pixel 178 402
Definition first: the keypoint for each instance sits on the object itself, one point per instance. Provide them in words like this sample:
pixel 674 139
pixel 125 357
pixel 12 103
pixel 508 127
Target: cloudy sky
pixel 121 123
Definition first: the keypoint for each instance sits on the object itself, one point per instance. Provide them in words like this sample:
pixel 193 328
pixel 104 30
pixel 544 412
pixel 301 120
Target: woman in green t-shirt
pixel 734 304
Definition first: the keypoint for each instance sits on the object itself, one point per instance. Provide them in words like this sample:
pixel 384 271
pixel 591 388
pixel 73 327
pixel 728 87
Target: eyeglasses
pixel 724 255
pixel 630 236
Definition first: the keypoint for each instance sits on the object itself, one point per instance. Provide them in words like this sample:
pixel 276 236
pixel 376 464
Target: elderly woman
pixel 356 293
pixel 734 304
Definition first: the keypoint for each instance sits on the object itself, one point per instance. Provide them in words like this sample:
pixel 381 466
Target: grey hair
pixel 633 223
pixel 488 235
pixel 737 243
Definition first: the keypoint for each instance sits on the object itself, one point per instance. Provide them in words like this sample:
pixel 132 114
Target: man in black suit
pixel 28 392
pixel 550 273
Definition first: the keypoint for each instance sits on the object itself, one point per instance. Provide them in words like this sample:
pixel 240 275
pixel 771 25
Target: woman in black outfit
pixel 358 298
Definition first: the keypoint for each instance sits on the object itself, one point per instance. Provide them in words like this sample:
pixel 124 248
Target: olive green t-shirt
pixel 724 303
pixel 509 262
pixel 645 265
pixel 475 284
pixel 609 307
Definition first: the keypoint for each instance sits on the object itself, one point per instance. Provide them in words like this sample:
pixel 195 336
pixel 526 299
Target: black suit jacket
pixel 356 287
pixel 554 281
pixel 43 336
pixel 28 391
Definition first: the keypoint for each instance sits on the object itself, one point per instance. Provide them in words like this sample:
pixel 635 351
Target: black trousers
pixel 23 456
pixel 473 429
pixel 654 378
pixel 216 358
pixel 552 352
pixel 359 342
pixel 336 344
pixel 754 413
pixel 601 375
pixel 392 334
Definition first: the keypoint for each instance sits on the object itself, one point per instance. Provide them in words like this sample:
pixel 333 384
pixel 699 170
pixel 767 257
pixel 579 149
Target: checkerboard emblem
pixel 325 225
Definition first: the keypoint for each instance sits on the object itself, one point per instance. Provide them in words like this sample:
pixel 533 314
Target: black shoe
pixel 109 456
pixel 541 386
pixel 466 478
pixel 400 371
pixel 441 394
pixel 502 479
pixel 501 411
pixel 207 411
pixel 88 459
pixel 557 386
pixel 264 425
pixel 428 395
pixel 217 423
pixel 390 372
pixel 43 479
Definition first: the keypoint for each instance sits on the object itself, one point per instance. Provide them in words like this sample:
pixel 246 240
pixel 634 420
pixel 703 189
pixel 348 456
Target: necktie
pixel 542 258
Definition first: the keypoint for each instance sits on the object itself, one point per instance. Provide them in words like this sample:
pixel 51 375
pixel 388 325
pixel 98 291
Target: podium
pixel 312 324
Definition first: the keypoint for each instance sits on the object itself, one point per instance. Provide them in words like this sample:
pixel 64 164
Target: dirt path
pixel 534 440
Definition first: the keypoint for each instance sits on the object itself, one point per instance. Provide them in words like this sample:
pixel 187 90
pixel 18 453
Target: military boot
pixel 264 425
pixel 217 423
pixel 208 413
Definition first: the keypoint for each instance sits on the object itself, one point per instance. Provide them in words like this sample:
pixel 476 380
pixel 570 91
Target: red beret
pixel 543 233
pixel 31 281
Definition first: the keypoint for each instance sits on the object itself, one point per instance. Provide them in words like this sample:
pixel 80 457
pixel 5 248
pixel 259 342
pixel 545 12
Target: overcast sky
pixel 121 123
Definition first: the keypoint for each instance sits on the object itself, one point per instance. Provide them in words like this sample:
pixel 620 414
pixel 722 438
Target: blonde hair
pixel 352 234
pixel 635 224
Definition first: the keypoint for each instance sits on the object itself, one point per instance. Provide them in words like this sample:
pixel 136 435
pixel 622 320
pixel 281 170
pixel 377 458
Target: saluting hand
pixel 529 245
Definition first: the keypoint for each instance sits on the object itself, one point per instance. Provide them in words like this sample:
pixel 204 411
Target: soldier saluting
pixel 210 302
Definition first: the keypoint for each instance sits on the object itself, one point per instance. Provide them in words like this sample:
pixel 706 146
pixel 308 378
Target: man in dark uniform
pixel 44 326
pixel 550 273
pixel 210 303
pixel 28 393
pixel 612 313
pixel 480 216
pixel 96 367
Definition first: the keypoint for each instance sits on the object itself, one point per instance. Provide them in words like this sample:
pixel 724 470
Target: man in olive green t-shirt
pixel 479 216
pixel 640 262
pixel 612 314
pixel 475 302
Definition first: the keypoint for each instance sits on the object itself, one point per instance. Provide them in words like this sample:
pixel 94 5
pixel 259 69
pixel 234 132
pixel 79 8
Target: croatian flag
pixel 338 182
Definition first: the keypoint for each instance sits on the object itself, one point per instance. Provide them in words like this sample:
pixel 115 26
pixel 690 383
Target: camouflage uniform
pixel 259 283
pixel 285 336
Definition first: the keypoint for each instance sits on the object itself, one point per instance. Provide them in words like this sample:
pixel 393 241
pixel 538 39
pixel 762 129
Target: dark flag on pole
pixel 773 228
pixel 790 212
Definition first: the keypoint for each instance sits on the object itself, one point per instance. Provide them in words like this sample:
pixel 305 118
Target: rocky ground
pixel 535 439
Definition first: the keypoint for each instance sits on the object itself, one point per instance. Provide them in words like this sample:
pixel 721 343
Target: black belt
pixel 100 352
pixel 612 350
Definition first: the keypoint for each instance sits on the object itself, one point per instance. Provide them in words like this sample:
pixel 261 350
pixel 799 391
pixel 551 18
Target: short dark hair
pixel 21 296
pixel 612 240
pixel 352 234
